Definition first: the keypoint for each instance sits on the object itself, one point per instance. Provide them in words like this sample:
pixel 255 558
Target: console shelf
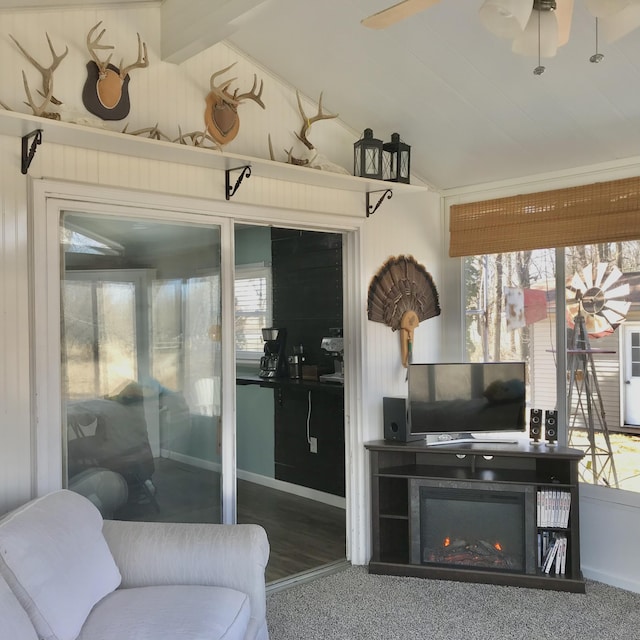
pixel 521 469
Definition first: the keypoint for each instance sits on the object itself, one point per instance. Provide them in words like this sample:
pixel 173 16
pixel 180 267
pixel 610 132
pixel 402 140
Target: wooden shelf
pixel 85 137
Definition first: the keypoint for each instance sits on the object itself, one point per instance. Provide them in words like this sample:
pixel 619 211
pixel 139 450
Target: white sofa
pixel 67 574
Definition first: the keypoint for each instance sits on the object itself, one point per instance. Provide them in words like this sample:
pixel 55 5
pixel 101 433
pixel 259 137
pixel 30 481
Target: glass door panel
pixel 290 431
pixel 141 364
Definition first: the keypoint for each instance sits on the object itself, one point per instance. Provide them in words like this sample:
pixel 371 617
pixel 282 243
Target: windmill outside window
pixel 596 306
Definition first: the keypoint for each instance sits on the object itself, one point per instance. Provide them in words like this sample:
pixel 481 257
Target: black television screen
pixel 468 397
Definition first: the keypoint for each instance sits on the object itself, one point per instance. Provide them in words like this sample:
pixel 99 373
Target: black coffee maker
pixel 273 363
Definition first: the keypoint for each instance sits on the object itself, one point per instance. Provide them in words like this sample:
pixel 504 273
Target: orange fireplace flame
pixel 447 542
pixel 498 546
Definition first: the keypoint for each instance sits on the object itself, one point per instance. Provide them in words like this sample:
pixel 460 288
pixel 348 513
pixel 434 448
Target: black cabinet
pixel 309 432
pixel 309 437
pixel 407 485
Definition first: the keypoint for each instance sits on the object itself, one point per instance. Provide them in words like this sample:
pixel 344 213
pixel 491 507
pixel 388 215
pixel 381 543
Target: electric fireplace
pixel 473 525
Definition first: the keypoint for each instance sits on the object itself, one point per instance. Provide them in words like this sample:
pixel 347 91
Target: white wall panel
pixel 15 406
pixel 609 536
pixel 409 225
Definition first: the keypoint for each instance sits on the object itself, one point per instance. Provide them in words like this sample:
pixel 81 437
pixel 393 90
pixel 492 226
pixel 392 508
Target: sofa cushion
pixel 15 621
pixel 55 559
pixel 168 612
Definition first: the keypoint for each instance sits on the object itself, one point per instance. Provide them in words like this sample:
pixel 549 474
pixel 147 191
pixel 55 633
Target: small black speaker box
pixel 551 426
pixel 396 423
pixel 535 424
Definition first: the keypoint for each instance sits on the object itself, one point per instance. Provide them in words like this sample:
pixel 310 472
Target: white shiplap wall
pixel 15 415
pixel 172 95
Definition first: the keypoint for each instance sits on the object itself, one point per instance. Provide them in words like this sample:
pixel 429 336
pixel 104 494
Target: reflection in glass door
pixel 141 364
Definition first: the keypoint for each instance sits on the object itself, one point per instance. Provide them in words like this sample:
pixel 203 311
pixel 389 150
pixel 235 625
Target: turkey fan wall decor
pixel 401 295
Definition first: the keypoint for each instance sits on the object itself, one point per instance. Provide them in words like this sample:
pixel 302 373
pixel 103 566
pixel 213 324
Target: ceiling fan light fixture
pixel 542 41
pixel 505 18
pixel 622 23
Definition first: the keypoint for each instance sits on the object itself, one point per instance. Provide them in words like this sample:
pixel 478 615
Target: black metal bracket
pixel 371 209
pixel 28 152
pixel 229 190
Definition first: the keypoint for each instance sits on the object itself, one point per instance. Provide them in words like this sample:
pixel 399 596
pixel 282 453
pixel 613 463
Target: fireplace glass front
pixel 481 525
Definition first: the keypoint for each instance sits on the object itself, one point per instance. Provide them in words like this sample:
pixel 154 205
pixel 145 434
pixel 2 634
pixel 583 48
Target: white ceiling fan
pixel 520 20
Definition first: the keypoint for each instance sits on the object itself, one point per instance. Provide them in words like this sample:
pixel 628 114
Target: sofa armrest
pixel 159 553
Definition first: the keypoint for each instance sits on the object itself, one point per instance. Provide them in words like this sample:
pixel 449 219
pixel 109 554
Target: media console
pixel 476 512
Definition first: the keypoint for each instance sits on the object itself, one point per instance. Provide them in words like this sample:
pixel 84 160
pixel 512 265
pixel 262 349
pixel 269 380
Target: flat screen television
pixel 456 400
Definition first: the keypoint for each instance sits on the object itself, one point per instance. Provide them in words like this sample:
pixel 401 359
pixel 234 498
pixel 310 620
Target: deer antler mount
pixel 304 130
pixel 47 82
pixel 221 114
pixel 106 90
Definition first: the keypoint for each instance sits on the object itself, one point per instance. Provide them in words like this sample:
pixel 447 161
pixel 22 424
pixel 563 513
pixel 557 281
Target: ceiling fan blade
pixel 564 13
pixel 397 12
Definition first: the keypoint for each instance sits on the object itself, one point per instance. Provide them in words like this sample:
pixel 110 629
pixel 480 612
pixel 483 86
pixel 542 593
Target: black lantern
pixel 397 160
pixel 367 156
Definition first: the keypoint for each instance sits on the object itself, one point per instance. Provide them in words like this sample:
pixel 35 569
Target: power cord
pixel 309 421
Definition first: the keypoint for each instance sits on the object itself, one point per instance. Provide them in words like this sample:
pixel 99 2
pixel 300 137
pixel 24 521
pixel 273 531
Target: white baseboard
pixel 265 481
pixel 611 579
pixel 295 489
pixel 191 460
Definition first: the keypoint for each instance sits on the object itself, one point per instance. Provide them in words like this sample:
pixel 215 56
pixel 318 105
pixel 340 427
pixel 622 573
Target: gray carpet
pixel 353 605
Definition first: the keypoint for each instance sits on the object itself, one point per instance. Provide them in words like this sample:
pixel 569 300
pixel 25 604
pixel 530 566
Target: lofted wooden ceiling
pixel 472 111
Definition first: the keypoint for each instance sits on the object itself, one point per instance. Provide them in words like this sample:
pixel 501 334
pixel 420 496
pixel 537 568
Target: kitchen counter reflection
pixel 289 383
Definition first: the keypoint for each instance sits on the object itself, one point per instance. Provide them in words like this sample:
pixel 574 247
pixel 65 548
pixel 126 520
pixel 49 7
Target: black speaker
pixel 551 426
pixel 535 424
pixel 396 422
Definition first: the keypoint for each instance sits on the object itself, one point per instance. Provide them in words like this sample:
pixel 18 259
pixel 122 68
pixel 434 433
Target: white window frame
pixel 246 272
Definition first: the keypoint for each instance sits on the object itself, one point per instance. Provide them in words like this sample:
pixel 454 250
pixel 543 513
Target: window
pixel 510 306
pixel 253 309
pixel 511 314
pixel 100 339
pixel 186 337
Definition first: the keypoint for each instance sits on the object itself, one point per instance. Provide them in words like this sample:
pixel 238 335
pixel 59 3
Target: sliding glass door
pixel 141 364
pixel 150 302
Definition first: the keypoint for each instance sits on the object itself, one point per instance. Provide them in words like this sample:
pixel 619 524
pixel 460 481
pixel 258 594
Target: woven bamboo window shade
pixel 601 212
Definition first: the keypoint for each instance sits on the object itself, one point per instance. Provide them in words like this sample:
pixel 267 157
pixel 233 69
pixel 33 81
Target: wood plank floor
pixel 304 534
